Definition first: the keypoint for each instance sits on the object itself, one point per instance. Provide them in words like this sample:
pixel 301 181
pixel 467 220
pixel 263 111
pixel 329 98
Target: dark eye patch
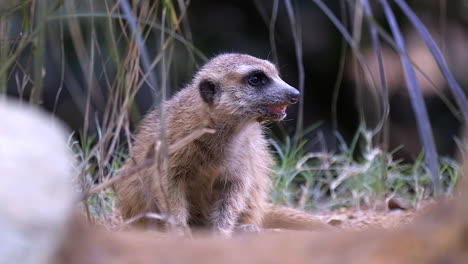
pixel 257 78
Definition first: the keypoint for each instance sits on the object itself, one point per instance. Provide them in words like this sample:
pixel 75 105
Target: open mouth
pixel 274 112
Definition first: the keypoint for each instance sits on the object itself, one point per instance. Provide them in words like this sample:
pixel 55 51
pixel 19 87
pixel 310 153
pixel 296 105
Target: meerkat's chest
pixel 206 180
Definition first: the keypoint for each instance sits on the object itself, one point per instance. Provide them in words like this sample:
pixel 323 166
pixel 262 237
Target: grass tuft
pixel 360 175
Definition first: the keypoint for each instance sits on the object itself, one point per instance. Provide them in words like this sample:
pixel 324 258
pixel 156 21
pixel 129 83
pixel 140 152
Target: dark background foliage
pixel 244 26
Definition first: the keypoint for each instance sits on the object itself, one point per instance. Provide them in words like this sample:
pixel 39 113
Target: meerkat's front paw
pixel 181 231
pixel 248 228
pixel 225 233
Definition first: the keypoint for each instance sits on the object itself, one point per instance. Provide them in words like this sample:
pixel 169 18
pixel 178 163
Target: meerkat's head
pixel 245 86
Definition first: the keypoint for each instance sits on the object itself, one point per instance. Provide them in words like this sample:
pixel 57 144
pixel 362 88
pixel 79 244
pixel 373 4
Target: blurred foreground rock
pixel 36 196
pixel 439 236
pixel 36 199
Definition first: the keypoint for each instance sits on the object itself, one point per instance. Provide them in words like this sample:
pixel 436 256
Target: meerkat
pixel 220 181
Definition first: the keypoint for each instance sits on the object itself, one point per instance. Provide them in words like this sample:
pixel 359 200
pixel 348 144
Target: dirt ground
pixel 344 218
pixel 354 219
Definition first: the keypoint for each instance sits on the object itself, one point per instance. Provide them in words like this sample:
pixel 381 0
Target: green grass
pixel 360 175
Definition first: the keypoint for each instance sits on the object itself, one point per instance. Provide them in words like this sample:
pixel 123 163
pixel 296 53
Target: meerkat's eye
pixel 257 79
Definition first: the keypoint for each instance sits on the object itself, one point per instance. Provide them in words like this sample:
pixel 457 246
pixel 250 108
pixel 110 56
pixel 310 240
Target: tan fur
pixel 221 180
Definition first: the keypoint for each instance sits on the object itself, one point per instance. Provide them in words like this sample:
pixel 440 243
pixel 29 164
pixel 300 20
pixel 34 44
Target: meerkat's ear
pixel 208 90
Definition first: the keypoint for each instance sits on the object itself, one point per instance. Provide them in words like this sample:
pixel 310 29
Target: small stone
pixel 395 204
pixel 335 222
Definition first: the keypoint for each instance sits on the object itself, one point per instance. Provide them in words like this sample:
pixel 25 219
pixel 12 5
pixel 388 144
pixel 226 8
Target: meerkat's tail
pixel 281 217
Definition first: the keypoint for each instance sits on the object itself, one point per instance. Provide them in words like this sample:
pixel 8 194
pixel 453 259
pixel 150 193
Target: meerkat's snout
pixel 279 96
pixel 283 93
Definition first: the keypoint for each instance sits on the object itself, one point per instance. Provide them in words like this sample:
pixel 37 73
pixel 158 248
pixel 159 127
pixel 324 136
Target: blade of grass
pixel 341 68
pixel 89 76
pixel 145 22
pixel 4 52
pixel 365 110
pixel 62 67
pixel 383 125
pixel 39 56
pixel 417 101
pixel 389 40
pixel 378 54
pixel 297 36
pixel 339 26
pixel 271 31
pixel 132 21
pixel 457 91
pixel 443 24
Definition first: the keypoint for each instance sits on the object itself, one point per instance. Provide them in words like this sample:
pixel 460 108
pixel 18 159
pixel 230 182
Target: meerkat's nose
pixel 294 96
